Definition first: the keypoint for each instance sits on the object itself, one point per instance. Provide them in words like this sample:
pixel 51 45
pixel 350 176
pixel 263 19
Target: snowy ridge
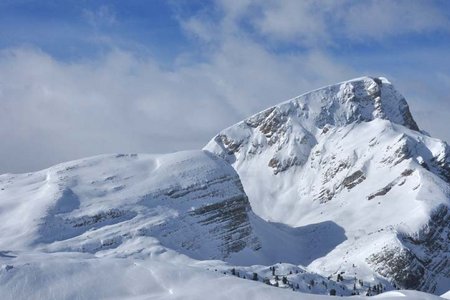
pixel 351 154
pixel 100 203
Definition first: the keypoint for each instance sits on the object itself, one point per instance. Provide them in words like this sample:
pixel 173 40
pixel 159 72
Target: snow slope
pixel 352 155
pixel 192 202
pixel 115 226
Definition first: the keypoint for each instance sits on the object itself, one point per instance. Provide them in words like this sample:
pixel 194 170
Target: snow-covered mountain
pixel 336 191
pixel 100 203
pixel 351 154
pixel 136 213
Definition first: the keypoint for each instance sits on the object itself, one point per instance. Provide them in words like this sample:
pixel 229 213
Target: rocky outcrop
pixel 216 224
pixel 289 129
pixel 229 222
pixel 424 258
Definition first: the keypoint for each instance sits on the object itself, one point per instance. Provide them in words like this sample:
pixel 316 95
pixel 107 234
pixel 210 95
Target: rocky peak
pixel 351 153
pixel 360 99
pixel 291 129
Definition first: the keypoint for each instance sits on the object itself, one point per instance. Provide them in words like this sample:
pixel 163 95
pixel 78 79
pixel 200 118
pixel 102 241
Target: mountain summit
pixel 293 124
pixel 351 154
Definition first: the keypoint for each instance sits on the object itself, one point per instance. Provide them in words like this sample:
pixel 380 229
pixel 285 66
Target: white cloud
pixel 386 18
pixel 102 16
pixel 53 111
pixel 300 22
pixel 325 22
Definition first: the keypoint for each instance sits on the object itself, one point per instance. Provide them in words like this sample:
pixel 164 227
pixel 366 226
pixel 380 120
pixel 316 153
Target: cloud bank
pixel 244 56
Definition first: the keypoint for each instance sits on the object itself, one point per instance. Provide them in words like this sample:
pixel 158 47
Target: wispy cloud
pixel 54 111
pixel 102 16
pixel 324 22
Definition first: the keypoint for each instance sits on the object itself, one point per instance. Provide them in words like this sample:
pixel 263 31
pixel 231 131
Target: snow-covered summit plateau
pixel 336 191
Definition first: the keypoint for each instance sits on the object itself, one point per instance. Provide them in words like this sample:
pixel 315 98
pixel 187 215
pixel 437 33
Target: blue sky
pixel 80 78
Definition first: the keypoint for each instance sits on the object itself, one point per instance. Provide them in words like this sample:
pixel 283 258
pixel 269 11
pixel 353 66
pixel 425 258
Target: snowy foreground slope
pixel 332 192
pixel 351 154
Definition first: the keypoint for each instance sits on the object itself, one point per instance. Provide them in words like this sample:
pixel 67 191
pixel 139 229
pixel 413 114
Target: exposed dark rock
pixel 231 224
pixel 399 180
pixel 424 257
pixel 408 118
pixel 407 172
pixel 272 123
pixel 442 163
pixel 400 265
pixel 354 179
pixel 280 166
pixel 101 217
pixel 325 195
pixel 382 191
pixel 231 145
pixel 256 120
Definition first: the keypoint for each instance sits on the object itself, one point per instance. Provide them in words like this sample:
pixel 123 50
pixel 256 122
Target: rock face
pixel 351 153
pixel 427 258
pixel 192 202
pixel 291 127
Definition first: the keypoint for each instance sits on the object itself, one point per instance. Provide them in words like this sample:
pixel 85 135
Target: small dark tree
pixel 298 286
pixel 255 277
pixel 276 284
pixel 284 280
pixel 276 278
pixel 233 271
pixel 273 271
pixel 332 292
